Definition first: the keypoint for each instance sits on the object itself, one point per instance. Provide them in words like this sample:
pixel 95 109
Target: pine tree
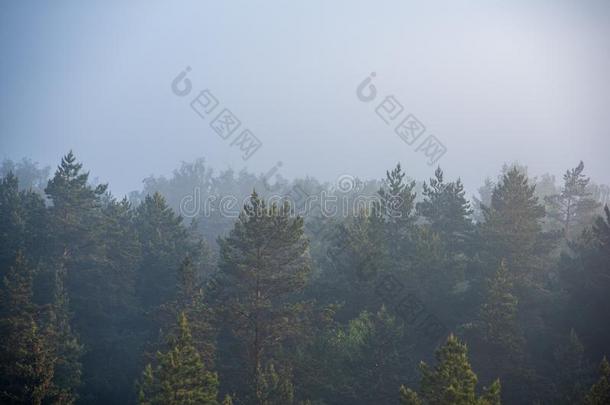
pixel 93 235
pixel 368 356
pixel 23 223
pixel 571 369
pixel 397 207
pixel 601 232
pixel 451 381
pixel 513 228
pixel 26 358
pixel 76 223
pixel 276 386
pixel 76 207
pixel 599 394
pixel 446 209
pixel 357 252
pixel 190 301
pixel 66 346
pixel 164 242
pixel 585 276
pixel 499 313
pixel 483 200
pixel 180 377
pixel 264 265
pixel 31 177
pixel 573 207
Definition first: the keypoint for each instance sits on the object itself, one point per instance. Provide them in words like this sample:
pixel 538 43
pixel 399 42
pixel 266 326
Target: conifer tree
pixel 499 313
pixel 358 253
pixel 446 210
pixel 180 376
pixel 26 357
pixel 599 394
pixel 264 263
pixel 585 276
pixel 451 381
pixel 23 223
pixel 66 346
pixel 571 369
pixel 367 358
pixel 483 200
pixel 513 228
pixel 276 386
pixel 601 232
pixel 93 235
pixel 398 208
pixel 76 208
pixel 76 221
pixel 573 207
pixel 164 242
pixel 190 301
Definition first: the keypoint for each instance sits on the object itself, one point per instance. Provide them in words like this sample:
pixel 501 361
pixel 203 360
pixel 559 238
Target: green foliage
pixel 451 381
pixel 276 386
pixel 585 276
pixel 572 369
pixel 358 363
pixel 163 242
pixel 599 394
pixel 180 376
pixel 499 313
pixel 573 208
pixel 66 346
pixel 23 223
pixel 26 357
pixel 358 255
pixel 447 210
pixel 189 300
pixel 512 229
pixel 264 263
pixel 285 324
pixel 398 208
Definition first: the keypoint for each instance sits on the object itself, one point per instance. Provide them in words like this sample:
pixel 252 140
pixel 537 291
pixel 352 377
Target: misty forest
pixel 416 295
pixel 348 202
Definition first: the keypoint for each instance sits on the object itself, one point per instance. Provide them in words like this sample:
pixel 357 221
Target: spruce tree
pixel 451 381
pixel 264 264
pixel 180 376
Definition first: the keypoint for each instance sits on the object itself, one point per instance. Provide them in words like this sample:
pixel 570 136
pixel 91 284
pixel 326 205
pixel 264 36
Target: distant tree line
pixel 112 301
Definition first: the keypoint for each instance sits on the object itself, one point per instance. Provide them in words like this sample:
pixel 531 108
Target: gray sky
pixel 493 81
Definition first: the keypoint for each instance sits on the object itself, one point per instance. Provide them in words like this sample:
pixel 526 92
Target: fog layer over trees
pixel 235 288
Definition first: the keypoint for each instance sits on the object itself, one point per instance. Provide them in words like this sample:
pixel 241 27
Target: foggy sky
pixel 493 81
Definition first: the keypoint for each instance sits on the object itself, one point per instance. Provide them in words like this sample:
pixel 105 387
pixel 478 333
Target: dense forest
pixel 234 288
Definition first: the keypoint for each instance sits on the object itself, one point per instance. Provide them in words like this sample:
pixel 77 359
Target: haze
pixel 494 82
